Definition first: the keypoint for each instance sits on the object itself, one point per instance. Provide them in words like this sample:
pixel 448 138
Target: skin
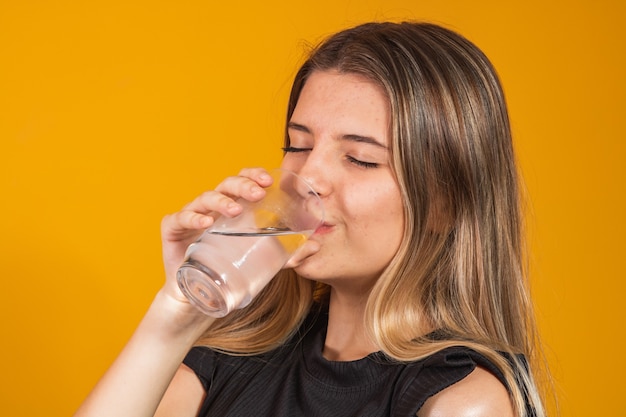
pixel 480 394
pixel 339 140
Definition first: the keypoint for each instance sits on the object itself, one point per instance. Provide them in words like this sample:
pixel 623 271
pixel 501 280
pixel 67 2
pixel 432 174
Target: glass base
pixel 202 286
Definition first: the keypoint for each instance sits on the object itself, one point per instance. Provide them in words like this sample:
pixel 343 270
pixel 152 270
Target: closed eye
pixel 292 149
pixel 362 163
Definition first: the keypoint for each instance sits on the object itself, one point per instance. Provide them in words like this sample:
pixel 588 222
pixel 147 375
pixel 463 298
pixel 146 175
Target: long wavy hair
pixel 460 268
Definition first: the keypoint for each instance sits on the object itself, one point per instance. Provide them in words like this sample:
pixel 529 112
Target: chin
pixel 309 269
pixel 304 272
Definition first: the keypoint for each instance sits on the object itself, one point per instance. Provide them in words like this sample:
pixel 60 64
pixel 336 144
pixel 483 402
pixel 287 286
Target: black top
pixel 296 380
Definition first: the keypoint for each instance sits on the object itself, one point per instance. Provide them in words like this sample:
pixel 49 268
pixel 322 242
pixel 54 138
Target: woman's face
pixel 339 142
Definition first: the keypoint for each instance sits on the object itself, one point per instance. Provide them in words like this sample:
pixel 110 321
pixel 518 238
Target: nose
pixel 305 188
pixel 315 171
pixel 314 189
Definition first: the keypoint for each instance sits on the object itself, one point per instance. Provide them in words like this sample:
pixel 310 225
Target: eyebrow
pixel 349 137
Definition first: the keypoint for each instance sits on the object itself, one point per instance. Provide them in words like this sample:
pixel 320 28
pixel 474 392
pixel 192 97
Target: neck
pixel 346 337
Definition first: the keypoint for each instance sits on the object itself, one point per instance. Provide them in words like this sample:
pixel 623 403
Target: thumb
pixel 309 248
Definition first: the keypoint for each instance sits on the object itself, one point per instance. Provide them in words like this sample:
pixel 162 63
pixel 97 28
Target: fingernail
pixel 232 207
pixel 256 190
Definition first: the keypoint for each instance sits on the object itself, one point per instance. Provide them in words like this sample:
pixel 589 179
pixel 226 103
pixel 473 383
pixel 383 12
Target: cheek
pixel 391 215
pixel 289 163
pixel 380 210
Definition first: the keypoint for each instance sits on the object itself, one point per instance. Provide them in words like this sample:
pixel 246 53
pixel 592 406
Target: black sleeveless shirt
pixel 296 380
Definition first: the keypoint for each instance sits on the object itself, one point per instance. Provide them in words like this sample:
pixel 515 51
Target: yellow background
pixel 114 113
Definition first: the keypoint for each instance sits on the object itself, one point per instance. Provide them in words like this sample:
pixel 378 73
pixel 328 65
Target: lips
pixel 323 229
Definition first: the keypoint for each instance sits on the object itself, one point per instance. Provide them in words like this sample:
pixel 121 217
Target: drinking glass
pixel 236 257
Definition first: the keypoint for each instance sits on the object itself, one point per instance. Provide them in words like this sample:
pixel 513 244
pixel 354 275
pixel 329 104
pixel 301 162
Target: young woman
pixel 410 300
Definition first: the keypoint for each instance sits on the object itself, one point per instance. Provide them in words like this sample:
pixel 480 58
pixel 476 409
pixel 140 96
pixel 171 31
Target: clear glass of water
pixel 236 257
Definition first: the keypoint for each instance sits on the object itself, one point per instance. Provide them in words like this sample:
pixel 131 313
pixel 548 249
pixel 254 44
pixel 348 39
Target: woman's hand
pixel 181 229
pixel 171 326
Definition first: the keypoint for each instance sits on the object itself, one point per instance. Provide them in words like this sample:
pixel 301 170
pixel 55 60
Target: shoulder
pixel 479 394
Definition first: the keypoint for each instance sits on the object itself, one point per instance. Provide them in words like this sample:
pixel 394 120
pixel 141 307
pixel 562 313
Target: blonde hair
pixel 460 268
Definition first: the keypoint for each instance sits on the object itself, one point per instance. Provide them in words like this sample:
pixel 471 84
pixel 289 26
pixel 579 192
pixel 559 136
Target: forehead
pixel 335 84
pixel 345 101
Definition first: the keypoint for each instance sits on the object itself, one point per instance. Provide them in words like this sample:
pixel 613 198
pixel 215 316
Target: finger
pixel 259 175
pixel 211 202
pixel 184 223
pixel 248 184
pixel 309 248
pixel 241 187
